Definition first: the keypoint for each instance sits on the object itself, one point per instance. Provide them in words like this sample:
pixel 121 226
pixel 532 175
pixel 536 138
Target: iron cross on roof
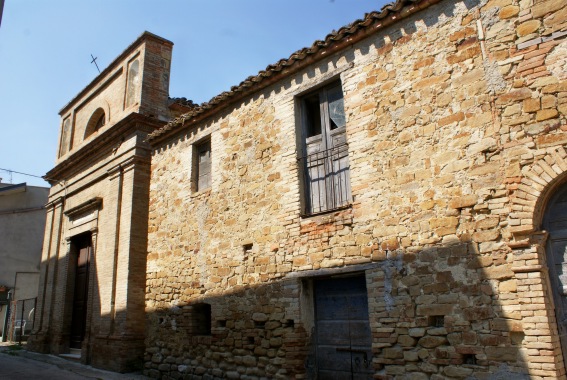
pixel 94 61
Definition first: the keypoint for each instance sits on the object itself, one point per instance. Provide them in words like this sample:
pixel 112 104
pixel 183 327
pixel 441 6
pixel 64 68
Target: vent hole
pixel 469 359
pixel 259 325
pixel 437 321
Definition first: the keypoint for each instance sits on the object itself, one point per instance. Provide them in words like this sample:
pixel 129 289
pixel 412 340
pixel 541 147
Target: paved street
pixel 21 365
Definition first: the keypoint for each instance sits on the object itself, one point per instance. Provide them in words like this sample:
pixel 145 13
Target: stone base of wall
pixel 38 343
pixel 118 354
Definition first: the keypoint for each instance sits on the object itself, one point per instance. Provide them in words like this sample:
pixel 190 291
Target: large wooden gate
pixel 342 330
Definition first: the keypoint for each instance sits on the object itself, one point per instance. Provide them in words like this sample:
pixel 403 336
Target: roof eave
pixel 374 21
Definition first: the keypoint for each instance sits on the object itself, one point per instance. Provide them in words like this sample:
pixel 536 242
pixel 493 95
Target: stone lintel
pixel 517 244
pixel 529 269
pixel 333 271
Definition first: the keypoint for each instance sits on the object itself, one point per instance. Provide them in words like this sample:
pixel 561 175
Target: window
pixel 202 166
pixel 324 159
pixel 96 122
pixel 201 319
pixel 100 123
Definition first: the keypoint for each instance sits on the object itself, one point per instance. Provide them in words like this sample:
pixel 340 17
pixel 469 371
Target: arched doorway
pixel 555 223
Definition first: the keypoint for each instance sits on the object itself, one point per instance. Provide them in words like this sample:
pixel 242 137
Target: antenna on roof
pixel 94 61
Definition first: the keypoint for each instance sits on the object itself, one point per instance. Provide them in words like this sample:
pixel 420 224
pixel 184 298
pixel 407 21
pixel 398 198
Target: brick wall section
pixel 455 131
pixel 155 84
pixel 108 91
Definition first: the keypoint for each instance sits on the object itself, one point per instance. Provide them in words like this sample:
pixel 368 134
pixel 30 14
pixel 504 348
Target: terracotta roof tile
pixel 255 82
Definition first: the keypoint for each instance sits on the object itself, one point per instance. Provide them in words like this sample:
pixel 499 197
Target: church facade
pixel 91 300
pixel 388 203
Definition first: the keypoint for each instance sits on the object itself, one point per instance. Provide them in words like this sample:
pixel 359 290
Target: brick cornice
pixel 101 145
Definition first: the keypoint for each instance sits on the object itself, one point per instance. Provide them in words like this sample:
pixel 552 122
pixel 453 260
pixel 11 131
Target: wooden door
pixel 81 290
pixel 555 222
pixel 342 329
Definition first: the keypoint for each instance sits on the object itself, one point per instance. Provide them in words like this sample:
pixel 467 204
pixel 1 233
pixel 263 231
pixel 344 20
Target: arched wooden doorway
pixel 555 223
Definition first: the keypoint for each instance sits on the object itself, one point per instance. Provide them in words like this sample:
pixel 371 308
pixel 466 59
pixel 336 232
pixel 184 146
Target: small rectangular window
pixel 324 160
pixel 202 167
pixel 201 319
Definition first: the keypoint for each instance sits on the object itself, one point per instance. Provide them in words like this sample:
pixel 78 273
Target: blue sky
pixel 45 49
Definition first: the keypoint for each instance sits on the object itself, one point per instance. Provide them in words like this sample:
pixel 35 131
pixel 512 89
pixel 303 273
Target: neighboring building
pixel 22 223
pixel 375 206
pixel 91 301
pixel 388 203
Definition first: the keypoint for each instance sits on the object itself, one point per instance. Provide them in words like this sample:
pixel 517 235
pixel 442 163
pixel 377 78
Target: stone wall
pixel 455 124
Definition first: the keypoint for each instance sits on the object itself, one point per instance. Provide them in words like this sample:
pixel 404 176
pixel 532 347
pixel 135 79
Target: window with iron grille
pixel 324 160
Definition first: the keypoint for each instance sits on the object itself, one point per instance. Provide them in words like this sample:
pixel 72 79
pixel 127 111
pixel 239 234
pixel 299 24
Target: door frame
pixel 313 289
pixel 73 251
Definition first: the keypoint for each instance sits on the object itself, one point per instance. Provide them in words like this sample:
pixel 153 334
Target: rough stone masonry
pixel 456 128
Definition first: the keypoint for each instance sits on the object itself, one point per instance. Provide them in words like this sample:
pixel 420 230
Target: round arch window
pixel 96 122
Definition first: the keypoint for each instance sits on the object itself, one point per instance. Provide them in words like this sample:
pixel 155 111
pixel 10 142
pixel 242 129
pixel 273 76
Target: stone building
pixel 388 203
pixel 91 301
pixel 22 220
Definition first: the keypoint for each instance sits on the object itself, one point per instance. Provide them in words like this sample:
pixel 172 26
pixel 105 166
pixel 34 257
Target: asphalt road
pixel 23 365
pixel 16 367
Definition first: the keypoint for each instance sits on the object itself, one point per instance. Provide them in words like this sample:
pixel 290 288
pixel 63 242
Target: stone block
pixel 531 105
pixel 457 371
pixel 514 96
pixel 393 353
pixel 434 309
pixel 486 223
pixel 432 341
pixel 508 11
pixel 478 313
pixel 542 8
pixel 499 272
pixel 528 27
pixel 463 201
pixel 502 354
pixel 406 341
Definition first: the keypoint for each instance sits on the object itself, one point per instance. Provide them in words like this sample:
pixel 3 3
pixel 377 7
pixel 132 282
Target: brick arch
pixel 538 183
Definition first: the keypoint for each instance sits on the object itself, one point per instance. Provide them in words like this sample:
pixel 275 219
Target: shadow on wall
pixel 105 337
pixel 448 311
